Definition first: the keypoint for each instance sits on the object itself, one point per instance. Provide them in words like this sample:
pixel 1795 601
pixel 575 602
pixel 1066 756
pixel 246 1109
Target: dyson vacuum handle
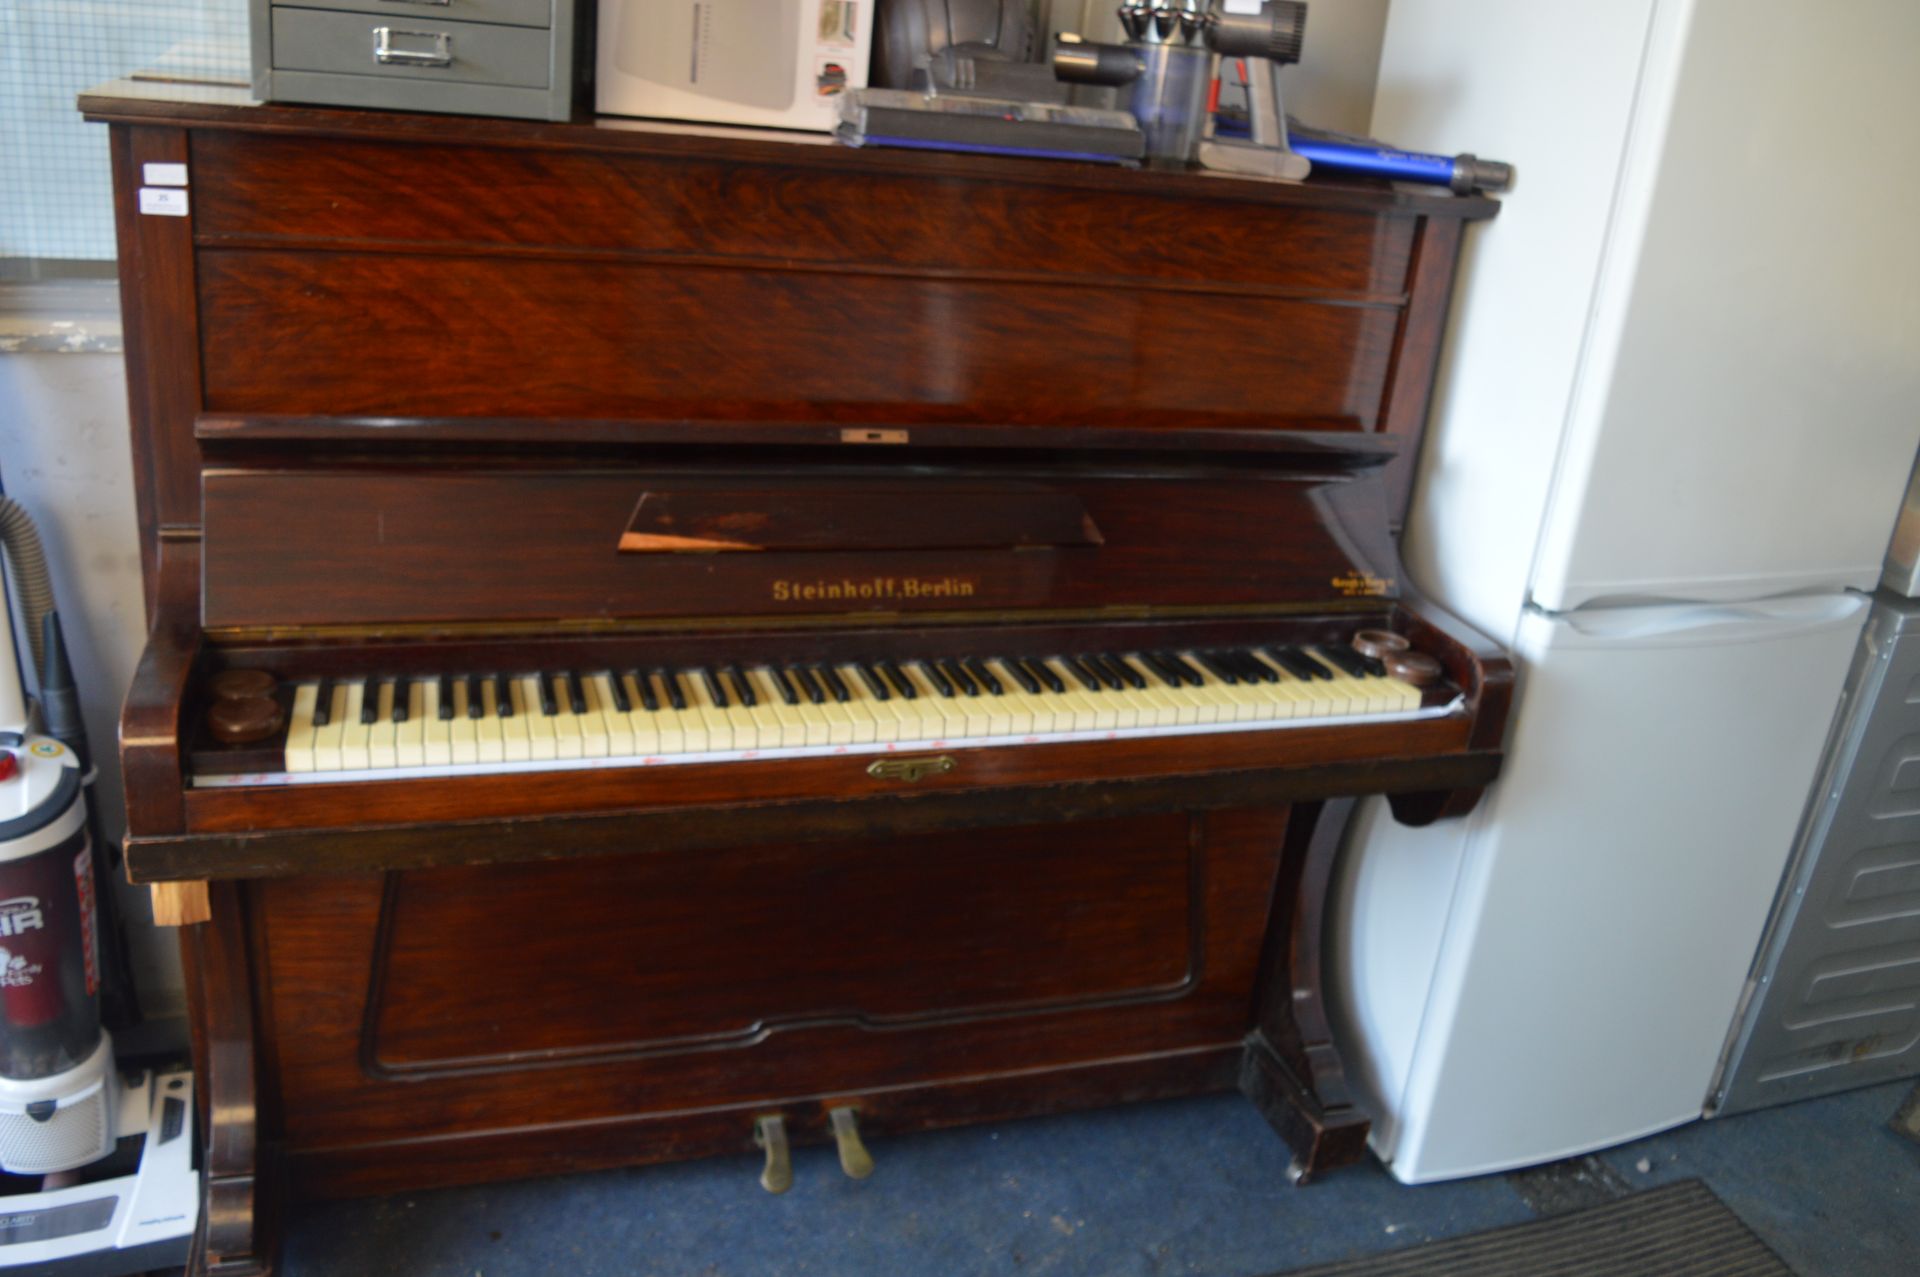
pixel 1264 37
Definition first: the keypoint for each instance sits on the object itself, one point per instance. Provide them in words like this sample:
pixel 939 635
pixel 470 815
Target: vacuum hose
pixel 28 559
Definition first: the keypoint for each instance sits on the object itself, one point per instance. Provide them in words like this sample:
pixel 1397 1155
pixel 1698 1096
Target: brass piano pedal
pixel 854 1158
pixel 770 1133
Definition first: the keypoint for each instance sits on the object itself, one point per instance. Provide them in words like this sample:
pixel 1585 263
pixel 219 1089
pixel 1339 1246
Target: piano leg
pixel 1291 1069
pixel 231 1240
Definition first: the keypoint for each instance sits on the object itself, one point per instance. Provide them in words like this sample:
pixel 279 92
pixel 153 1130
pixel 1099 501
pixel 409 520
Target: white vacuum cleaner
pixel 99 1174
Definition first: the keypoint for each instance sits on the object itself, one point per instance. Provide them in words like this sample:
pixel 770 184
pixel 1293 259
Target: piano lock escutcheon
pixel 911 769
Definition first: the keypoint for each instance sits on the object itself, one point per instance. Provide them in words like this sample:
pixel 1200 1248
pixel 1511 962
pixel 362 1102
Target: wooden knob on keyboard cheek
pixel 245 720
pixel 1379 644
pixel 1416 669
pixel 240 685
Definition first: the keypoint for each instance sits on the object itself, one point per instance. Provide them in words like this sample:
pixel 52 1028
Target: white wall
pixel 64 456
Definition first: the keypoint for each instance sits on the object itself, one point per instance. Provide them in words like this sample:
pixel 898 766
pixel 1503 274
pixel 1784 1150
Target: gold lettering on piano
pixel 1354 584
pixel 874 589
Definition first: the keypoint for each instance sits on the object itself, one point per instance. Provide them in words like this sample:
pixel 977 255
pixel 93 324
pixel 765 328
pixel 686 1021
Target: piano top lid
pixel 224 107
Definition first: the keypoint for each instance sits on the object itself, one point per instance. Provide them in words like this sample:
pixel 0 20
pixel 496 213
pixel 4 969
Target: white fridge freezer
pixel 1681 374
pixel 1556 972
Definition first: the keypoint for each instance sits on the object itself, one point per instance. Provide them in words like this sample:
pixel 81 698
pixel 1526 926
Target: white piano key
pixel 326 739
pixel 568 738
pixel 354 734
pixel 381 751
pixel 516 731
pixel 490 731
pixel 619 723
pixel 409 737
pixel 541 743
pixel 298 753
pixel 436 733
pixel 464 731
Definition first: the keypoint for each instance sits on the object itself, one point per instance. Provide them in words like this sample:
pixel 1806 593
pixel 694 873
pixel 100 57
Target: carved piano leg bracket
pixel 236 1237
pixel 1321 1137
pixel 1291 1069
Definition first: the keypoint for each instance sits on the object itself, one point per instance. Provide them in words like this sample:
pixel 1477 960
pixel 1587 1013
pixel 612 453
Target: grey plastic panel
pixel 519 13
pixel 343 43
pixel 1833 1001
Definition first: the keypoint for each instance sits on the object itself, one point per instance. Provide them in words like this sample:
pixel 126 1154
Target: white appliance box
pixel 772 63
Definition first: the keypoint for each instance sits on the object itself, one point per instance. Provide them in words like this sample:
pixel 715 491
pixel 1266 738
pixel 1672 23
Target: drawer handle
pixel 385 54
pixel 442 3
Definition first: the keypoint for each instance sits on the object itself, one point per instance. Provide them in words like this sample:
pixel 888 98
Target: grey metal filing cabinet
pixel 470 57
pixel 1833 1000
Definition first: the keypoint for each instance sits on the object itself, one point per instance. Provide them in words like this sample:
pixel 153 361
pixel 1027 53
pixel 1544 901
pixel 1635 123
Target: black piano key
pixel 1086 679
pixel 741 687
pixel 901 683
pixel 445 712
pixel 1345 658
pixel 1255 667
pixel 1221 670
pixel 808 688
pixel 369 701
pixel 1295 663
pixel 323 703
pixel 648 701
pixel 1314 668
pixel 576 695
pixel 1158 666
pixel 1027 681
pixel 941 683
pixel 872 679
pixel 1098 668
pixel 402 693
pixel 676 695
pixel 548 706
pixel 503 696
pixel 476 698
pixel 783 684
pixel 1184 668
pixel 1237 662
pixel 1124 671
pixel 1288 660
pixel 835 687
pixel 959 677
pixel 1376 668
pixel 983 676
pixel 621 701
pixel 1044 672
pixel 717 692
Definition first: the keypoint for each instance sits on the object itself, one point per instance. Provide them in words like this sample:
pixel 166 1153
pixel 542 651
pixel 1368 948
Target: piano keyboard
pixel 454 724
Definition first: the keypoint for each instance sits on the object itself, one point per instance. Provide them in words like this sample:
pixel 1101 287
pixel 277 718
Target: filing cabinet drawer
pixel 518 13
pixel 409 46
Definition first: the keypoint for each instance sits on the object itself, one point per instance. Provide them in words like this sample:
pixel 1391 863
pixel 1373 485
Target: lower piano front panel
pixel 478 1022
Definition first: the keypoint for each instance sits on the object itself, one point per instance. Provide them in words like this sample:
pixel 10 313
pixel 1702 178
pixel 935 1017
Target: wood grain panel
pixel 674 954
pixel 255 185
pixel 323 965
pixel 161 322
pixel 305 548
pixel 287 332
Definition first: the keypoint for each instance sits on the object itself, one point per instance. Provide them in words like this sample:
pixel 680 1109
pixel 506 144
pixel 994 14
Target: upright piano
pixel 668 644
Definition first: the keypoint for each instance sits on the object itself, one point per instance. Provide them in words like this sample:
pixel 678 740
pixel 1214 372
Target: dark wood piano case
pixel 410 392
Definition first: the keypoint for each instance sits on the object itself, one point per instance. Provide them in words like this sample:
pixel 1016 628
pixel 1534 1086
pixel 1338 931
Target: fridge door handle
pixel 1758 620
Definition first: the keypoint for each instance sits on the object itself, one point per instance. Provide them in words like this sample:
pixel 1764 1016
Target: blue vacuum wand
pixel 1463 173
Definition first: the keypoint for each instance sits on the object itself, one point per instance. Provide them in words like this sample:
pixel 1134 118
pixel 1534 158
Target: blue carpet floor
pixel 1190 1187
